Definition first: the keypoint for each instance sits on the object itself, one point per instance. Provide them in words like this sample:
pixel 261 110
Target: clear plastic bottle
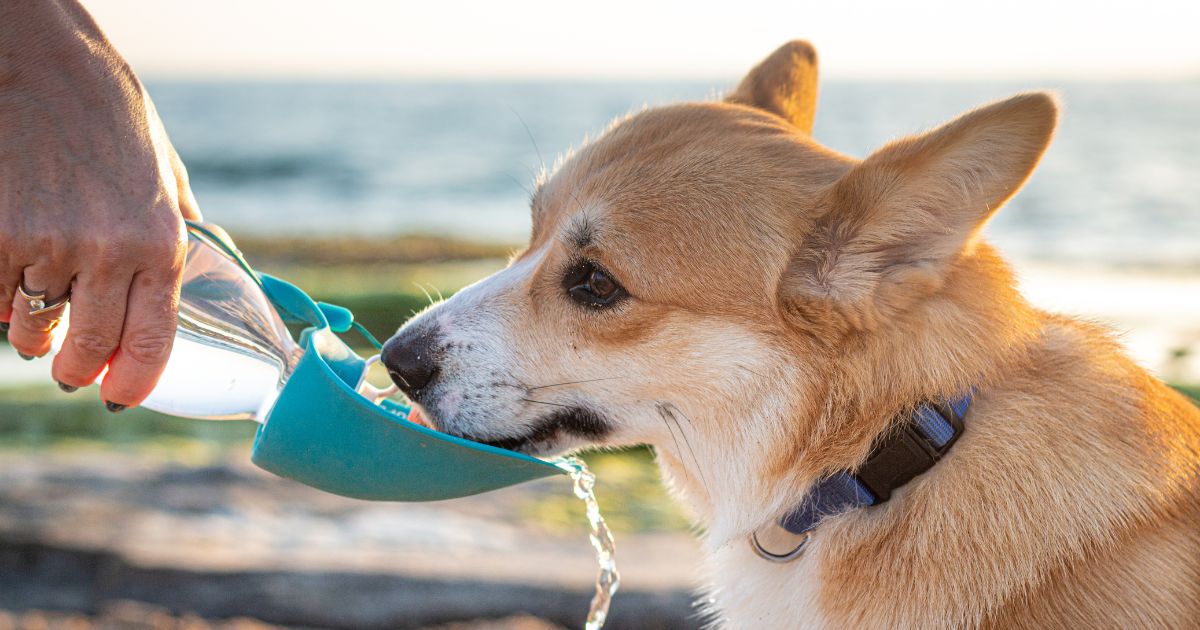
pixel 232 351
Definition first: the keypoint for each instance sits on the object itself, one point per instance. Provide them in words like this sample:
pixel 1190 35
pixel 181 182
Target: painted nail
pixel 3 326
pixel 70 389
pixel 24 356
pixel 114 407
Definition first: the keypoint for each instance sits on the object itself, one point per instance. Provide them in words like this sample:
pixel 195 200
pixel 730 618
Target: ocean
pixel 1120 185
pixel 1108 228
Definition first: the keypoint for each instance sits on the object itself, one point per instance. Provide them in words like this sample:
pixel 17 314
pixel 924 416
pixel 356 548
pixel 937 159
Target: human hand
pixel 92 203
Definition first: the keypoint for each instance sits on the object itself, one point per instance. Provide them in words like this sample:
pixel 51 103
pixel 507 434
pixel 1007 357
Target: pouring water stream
pixel 607 580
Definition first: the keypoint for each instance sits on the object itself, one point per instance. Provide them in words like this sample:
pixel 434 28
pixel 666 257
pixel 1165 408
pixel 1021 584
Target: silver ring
pixel 38 304
pixel 779 557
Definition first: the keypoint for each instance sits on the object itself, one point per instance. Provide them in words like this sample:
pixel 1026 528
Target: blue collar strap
pixel 896 458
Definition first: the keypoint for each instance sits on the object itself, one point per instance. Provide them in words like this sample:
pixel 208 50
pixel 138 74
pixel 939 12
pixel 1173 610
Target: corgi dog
pixel 837 374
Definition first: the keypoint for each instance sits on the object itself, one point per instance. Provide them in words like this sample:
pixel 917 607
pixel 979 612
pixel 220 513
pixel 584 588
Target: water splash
pixel 607 580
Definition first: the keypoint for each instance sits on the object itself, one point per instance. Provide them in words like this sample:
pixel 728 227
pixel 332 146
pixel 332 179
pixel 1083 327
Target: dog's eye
pixel 587 283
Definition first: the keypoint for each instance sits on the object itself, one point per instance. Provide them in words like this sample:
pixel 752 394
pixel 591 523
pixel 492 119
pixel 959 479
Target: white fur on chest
pixel 750 592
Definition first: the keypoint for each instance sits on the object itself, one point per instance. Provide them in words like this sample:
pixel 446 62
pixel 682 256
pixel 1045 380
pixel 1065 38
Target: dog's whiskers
pixel 739 365
pixel 528 132
pixel 662 413
pixel 528 190
pixel 563 384
pixel 669 411
pixel 424 290
pixel 543 402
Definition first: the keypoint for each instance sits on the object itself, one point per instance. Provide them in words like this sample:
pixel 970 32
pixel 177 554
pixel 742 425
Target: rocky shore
pixel 94 539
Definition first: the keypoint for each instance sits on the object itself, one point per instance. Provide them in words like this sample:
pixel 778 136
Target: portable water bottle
pixel 232 351
pixel 234 358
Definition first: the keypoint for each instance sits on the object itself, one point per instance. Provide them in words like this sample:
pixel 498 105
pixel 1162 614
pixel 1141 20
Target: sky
pixel 453 39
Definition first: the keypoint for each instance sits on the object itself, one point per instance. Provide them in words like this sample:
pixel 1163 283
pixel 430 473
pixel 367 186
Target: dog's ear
pixel 784 83
pixel 897 219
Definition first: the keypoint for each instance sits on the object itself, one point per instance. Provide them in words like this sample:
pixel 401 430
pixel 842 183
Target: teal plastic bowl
pixel 323 433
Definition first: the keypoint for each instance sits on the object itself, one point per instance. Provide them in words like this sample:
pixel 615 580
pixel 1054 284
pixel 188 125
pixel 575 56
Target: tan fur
pixel 784 84
pixel 788 303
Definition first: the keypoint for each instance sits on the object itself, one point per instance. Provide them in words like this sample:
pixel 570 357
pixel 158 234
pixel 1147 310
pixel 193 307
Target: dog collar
pixel 912 448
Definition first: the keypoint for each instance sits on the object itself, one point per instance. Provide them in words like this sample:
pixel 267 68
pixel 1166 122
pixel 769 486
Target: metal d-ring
pixel 779 557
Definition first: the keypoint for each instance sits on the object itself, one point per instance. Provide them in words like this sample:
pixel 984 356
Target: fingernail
pixel 70 389
pixel 24 356
pixel 114 407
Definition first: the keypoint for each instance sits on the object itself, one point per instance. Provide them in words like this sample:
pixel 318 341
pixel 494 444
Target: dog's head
pixel 695 275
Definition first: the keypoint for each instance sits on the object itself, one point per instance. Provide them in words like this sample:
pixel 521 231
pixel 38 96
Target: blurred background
pixel 372 152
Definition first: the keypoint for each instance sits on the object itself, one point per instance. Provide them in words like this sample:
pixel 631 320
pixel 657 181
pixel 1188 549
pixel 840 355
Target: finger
pixel 146 338
pixel 98 303
pixel 8 289
pixel 188 208
pixel 30 334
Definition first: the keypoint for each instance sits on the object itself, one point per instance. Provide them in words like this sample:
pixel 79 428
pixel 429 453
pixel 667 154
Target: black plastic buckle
pixel 903 454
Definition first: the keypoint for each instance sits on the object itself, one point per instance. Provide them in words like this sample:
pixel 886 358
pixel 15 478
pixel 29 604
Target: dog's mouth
pixel 547 434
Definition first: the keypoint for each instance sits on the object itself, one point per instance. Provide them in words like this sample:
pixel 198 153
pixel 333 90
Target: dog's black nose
pixel 409 359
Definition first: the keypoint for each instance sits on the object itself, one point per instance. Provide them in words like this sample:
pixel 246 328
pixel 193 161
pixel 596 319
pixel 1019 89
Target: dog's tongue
pixel 416 416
